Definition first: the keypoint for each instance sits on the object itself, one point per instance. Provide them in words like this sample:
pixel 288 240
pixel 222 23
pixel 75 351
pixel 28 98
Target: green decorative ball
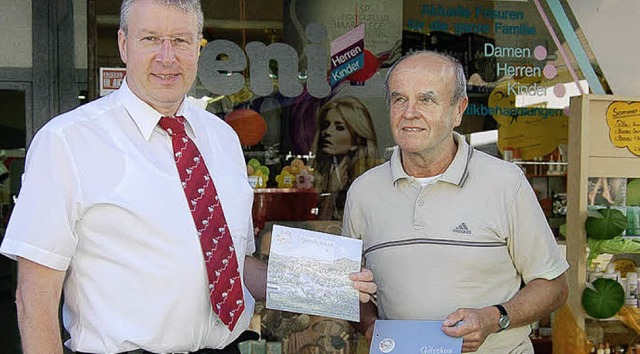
pixel 604 300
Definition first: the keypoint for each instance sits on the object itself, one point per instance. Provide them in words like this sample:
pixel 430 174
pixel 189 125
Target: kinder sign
pixel 347 54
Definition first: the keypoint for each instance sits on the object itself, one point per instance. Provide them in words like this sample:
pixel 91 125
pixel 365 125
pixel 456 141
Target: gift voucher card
pixel 402 337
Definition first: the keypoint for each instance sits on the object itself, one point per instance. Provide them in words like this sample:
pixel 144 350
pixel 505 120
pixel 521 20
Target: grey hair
pixel 460 85
pixel 188 6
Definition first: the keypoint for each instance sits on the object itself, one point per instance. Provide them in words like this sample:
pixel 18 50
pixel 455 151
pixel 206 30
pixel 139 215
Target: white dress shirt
pixel 101 199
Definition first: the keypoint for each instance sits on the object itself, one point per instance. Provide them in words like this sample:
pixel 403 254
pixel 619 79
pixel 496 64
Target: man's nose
pixel 166 53
pixel 410 111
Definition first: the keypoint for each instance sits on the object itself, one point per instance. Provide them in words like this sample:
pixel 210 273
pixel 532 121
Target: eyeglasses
pixel 182 43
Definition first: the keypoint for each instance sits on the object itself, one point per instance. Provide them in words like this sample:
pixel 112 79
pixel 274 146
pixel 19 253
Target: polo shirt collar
pixel 458 170
pixel 456 173
pixel 397 171
pixel 144 116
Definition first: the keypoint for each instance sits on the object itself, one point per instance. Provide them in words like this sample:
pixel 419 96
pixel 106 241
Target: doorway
pixel 14 110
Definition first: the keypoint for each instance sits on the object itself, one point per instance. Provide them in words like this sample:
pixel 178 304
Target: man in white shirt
pixel 103 217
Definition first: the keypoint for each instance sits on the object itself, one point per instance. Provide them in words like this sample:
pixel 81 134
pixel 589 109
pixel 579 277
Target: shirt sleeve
pixel 532 245
pixel 41 227
pixel 251 242
pixel 349 219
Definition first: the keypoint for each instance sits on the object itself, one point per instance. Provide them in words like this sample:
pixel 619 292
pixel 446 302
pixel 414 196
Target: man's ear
pixel 122 45
pixel 201 43
pixel 461 107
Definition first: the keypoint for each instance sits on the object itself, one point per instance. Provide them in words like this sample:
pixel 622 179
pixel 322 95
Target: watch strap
pixel 503 311
pixel 504 317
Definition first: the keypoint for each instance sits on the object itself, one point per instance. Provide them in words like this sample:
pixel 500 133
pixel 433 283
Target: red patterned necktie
pixel 225 285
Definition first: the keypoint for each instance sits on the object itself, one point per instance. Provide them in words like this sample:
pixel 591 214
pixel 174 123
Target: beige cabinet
pixel 592 153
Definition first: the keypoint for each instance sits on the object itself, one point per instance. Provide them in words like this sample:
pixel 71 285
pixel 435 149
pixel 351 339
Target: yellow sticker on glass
pixel 623 119
pixel 535 131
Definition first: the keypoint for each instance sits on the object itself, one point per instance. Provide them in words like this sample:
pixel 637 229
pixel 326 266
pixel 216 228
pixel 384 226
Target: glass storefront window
pixel 301 82
pixel 279 59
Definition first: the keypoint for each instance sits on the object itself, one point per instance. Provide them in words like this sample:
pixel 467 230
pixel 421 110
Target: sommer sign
pixel 623 119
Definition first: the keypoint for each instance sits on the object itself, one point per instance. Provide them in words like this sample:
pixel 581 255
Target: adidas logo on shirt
pixel 462 229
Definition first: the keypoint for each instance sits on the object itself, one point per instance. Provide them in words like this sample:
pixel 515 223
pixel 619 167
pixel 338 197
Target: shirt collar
pixel 144 116
pixel 456 173
pixel 397 171
pixel 458 170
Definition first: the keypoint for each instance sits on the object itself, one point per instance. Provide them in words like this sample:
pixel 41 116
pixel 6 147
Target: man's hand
pixel 255 277
pixel 368 331
pixel 537 299
pixel 476 326
pixel 363 282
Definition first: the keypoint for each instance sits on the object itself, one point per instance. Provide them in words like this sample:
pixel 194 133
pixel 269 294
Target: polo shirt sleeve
pixel 41 227
pixel 353 221
pixel 532 245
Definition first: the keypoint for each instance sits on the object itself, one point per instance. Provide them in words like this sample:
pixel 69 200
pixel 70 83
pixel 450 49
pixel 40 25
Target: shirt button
pixel 421 203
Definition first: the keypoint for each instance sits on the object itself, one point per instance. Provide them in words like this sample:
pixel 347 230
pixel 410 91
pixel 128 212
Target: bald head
pixel 458 82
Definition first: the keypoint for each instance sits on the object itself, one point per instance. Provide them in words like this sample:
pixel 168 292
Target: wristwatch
pixel 504 321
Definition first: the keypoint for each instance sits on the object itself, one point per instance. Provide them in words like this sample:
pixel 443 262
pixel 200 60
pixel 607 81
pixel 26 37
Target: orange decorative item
pixel 248 124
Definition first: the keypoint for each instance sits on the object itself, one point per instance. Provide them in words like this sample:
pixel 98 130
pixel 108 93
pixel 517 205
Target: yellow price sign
pixel 623 119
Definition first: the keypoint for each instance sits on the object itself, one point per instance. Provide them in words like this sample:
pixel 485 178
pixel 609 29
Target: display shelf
pixel 542 345
pixel 283 204
pixel 541 163
pixel 543 169
pixel 591 154
pixel 551 192
pixel 614 332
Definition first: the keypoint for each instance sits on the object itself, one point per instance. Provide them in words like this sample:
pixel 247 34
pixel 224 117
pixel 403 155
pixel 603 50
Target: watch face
pixel 504 322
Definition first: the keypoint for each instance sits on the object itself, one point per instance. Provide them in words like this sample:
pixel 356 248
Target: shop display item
pixel 296 175
pixel 633 221
pixel 633 192
pixel 607 191
pixel 258 174
pixel 603 298
pixel 604 224
pixel 248 124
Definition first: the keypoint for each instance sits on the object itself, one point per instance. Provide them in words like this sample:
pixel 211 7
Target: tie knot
pixel 173 125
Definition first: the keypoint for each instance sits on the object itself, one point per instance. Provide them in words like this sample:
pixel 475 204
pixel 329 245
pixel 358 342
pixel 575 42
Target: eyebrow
pixel 144 31
pixel 430 95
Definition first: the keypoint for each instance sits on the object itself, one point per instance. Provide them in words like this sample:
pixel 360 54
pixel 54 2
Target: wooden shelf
pixel 591 154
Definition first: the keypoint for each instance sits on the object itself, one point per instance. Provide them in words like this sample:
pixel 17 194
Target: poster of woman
pixel 346 146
